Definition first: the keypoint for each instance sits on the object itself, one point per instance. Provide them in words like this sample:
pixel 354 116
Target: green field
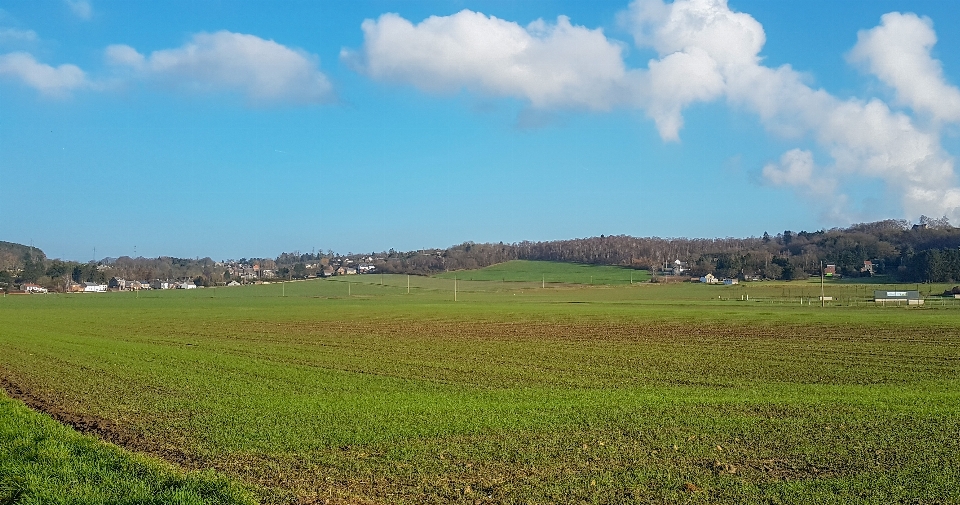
pixel 553 273
pixel 354 391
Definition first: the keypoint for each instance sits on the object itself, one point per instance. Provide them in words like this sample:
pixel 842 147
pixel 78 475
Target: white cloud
pixel 730 38
pixel 123 55
pixel 706 52
pixel 676 81
pixel 16 35
pixel 550 65
pixel 48 80
pixel 864 138
pixel 261 70
pixel 80 8
pixel 795 169
pixel 898 53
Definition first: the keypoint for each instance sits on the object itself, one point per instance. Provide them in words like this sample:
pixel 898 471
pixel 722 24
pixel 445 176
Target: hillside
pixel 11 255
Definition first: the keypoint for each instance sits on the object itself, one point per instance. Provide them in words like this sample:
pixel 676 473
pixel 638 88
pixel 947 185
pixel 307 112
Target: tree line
pixel 928 251
pixel 925 252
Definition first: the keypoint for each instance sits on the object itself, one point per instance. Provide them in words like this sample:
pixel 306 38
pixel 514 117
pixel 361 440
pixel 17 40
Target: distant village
pixel 235 273
pixel 679 271
pixel 238 273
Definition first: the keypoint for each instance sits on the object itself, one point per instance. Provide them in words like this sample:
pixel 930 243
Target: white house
pixel 33 288
pixel 679 267
pixel 94 287
pixel 186 285
pixel 709 279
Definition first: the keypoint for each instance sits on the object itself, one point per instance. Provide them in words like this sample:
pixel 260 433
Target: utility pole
pixel 821 285
pixel 408 284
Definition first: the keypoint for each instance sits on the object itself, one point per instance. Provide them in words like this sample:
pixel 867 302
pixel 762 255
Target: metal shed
pixel 883 297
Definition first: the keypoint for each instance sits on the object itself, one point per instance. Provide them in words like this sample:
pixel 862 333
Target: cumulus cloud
pixel 549 64
pixel 864 138
pixel 80 8
pixel 705 52
pixel 261 70
pixel 898 53
pixel 729 38
pixel 48 80
pixel 675 81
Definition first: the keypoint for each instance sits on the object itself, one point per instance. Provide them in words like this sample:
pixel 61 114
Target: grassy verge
pixel 44 462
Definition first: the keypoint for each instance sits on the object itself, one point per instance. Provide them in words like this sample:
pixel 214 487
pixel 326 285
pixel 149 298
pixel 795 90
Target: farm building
pixel 883 297
pixel 33 288
pixel 678 268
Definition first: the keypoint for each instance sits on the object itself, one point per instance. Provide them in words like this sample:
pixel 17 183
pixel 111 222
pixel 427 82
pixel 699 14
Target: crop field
pixel 526 389
pixel 552 273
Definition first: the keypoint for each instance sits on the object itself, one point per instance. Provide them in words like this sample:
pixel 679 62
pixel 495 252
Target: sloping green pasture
pixel 552 273
pixel 352 390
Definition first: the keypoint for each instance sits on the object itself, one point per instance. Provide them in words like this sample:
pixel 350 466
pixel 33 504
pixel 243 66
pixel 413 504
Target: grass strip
pixel 45 462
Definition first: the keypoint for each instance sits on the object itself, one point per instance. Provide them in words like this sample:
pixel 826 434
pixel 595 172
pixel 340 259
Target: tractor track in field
pixel 103 429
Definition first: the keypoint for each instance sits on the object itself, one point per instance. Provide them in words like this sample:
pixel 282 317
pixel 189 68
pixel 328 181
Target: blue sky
pixel 242 128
